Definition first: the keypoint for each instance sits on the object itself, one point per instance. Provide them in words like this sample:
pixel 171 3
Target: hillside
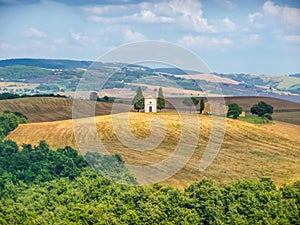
pixel 58 75
pixel 248 150
pixel 42 109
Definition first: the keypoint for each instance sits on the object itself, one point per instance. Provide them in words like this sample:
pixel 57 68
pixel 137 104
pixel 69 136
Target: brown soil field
pixel 43 109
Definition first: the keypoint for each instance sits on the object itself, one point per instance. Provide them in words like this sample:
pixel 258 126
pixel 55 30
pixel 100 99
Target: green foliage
pixel 111 167
pixel 261 108
pixel 19 72
pixel 48 87
pixel 92 199
pixel 195 101
pixel 254 119
pixel 161 103
pixel 202 105
pixel 106 99
pixel 9 121
pixel 6 95
pixel 39 163
pixel 267 116
pixel 139 100
pixel 234 110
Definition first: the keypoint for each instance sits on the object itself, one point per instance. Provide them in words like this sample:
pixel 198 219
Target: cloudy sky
pixel 261 37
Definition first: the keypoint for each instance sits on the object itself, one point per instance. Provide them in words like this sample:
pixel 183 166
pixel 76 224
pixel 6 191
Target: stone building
pixel 150 104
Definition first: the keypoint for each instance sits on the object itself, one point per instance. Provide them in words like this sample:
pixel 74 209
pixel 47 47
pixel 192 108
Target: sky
pixel 230 36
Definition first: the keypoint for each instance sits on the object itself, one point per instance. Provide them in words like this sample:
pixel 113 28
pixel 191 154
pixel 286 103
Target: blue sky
pixel 260 37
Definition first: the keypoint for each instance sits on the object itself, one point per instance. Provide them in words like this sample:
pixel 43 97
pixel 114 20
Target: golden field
pixel 247 151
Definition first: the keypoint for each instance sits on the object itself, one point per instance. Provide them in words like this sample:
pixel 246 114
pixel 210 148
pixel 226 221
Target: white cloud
pixel 133 36
pixel 252 17
pixel 203 41
pixel 289 15
pixel 186 14
pixel 33 32
pixel 109 9
pixel 80 37
pixel 149 17
pixel 229 24
pixel 292 38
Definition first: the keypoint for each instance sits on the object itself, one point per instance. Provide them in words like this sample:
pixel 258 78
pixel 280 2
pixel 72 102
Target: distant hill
pixel 295 75
pixel 66 77
pixel 47 63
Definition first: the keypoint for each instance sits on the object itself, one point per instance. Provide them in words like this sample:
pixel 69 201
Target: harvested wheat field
pixel 247 151
pixel 42 109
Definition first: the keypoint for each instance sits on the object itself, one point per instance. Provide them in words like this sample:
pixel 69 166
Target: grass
pixel 247 151
pixel 254 119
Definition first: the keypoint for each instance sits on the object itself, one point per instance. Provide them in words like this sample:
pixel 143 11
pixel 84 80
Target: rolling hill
pixel 45 109
pixel 247 151
pixel 42 109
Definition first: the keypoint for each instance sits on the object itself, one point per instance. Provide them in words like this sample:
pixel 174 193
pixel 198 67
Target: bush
pixel 267 116
pixel 234 110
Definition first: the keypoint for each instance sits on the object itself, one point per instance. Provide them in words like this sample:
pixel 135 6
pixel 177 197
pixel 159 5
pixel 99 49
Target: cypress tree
pixel 202 106
pixel 139 100
pixel 161 103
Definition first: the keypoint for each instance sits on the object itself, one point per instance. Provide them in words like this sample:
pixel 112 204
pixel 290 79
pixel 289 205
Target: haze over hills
pixel 58 76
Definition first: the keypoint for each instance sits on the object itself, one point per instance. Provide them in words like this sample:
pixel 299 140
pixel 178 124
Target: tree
pixel 195 101
pixel 202 106
pixel 106 98
pixel 161 103
pixel 261 108
pixel 234 110
pixel 188 102
pixel 139 100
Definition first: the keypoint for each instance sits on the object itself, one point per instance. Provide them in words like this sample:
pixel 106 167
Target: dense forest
pixel 41 186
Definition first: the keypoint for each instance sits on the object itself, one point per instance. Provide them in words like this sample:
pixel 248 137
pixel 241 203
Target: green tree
pixel 139 100
pixel 202 106
pixel 195 101
pixel 188 102
pixel 261 108
pixel 161 103
pixel 234 110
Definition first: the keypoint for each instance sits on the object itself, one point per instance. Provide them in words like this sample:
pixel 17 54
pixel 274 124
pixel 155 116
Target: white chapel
pixel 150 104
